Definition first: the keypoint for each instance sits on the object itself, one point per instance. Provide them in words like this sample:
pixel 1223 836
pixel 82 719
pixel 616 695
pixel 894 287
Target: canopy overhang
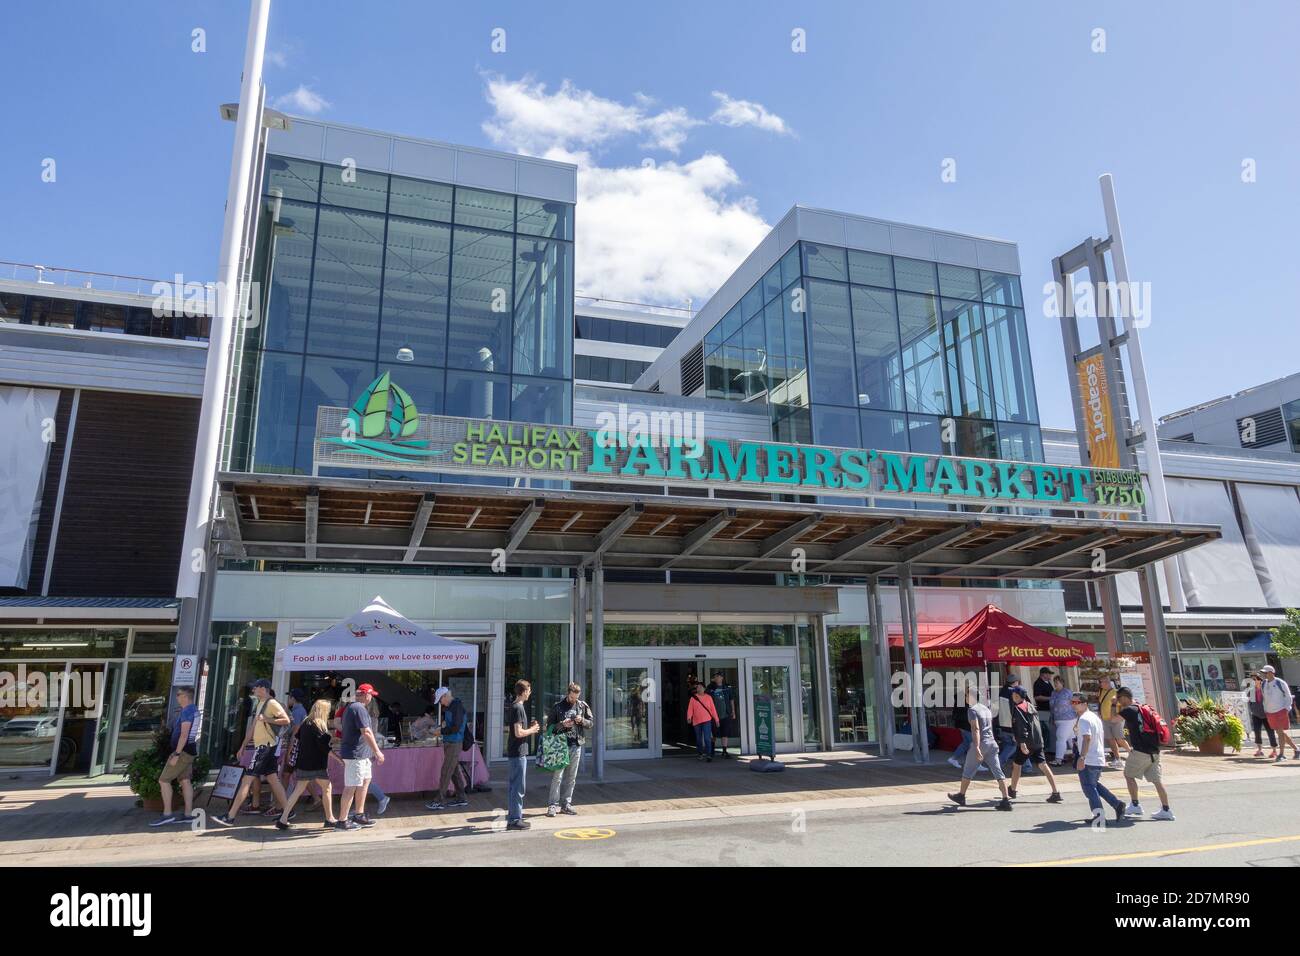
pixel 292 518
pixel 992 636
pixel 377 638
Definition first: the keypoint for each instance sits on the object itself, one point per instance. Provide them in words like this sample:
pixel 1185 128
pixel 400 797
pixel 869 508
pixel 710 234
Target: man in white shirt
pixel 1088 731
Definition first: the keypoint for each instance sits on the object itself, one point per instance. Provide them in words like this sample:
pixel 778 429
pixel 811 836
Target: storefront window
pixel 651 635
pixel 748 635
pixel 144 706
pixel 153 642
pixel 849 648
pixel 539 654
pixel 812 733
pixel 239 653
pixel 61 643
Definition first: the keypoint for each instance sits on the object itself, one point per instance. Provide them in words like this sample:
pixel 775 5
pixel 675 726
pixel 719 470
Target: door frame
pixel 631 658
pixel 787 657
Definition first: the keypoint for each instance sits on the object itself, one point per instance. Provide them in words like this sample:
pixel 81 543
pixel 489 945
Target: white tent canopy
pixel 377 638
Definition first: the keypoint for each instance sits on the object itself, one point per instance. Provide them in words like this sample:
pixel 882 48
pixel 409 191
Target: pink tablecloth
pixel 410 769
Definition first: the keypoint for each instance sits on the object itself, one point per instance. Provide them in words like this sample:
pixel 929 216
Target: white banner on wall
pixel 27 427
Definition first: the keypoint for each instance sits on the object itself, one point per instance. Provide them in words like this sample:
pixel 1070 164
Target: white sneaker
pixel 953 762
pixel 552 811
pixel 1133 810
pixel 1163 815
pixel 1116 765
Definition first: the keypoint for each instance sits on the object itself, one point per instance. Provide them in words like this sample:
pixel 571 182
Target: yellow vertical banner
pixel 1094 394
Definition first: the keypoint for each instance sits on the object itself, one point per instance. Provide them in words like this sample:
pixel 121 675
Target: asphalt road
pixel 1233 823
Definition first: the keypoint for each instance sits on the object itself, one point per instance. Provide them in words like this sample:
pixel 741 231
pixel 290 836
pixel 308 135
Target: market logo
pixel 378 624
pixel 381 424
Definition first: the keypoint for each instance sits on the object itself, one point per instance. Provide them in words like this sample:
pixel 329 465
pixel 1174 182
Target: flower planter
pixel 1211 745
pixel 152 803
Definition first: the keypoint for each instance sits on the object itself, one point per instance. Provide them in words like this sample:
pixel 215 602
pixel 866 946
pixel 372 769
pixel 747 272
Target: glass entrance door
pixel 109 707
pixel 631 711
pixel 772 680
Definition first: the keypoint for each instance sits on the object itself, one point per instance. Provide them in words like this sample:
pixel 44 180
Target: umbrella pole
pixel 473 719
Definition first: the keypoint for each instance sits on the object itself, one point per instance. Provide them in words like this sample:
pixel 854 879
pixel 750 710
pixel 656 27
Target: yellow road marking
pixel 585 833
pixel 1146 854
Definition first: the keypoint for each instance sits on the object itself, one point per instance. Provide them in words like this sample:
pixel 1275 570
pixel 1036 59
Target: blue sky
pixel 739 128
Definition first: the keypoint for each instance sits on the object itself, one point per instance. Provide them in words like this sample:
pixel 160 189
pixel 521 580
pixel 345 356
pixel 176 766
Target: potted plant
pixel 146 765
pixel 1207 725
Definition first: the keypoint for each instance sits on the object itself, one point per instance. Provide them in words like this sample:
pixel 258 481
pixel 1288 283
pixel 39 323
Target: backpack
pixel 1154 724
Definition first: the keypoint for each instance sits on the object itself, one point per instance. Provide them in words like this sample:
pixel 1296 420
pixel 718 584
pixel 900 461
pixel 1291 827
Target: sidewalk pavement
pixel 89 822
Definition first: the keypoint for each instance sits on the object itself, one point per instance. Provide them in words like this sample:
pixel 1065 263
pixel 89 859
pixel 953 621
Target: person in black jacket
pixel 1028 735
pixel 313 736
pixel 570 717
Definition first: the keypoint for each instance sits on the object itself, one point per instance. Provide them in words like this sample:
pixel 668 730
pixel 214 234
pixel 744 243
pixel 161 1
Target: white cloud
pixel 302 100
pixel 733 112
pixel 277 58
pixel 528 118
pixel 656 233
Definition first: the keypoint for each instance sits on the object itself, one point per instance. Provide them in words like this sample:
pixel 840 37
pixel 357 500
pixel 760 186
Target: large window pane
pixel 481 296
pixel 752 301
pixel 419 199
pixel 327 381
pixel 293 238
pixel 967 359
pixel 959 282
pixel 292 179
pixel 832 341
pixel 875 342
pixel 540 400
pixel 471 395
pixel 886 431
pixel 923 366
pixel 424 385
pixel 915 275
pixel 975 439
pixel 415 291
pixel 354 188
pixel 543 307
pixel 485 210
pixel 835 426
pixel 538 217
pixel 1020 442
pixel 849 650
pixel 790 268
pixel 825 262
pixel 278 388
pixel 345 288
pixel 924 435
pixel 1001 289
pixel 1013 376
pixel 871 268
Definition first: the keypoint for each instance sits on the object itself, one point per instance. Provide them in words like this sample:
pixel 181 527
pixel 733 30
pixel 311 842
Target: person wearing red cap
pixel 357 749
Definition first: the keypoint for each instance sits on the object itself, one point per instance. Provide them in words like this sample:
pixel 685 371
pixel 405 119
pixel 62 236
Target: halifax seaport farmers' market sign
pixel 383 431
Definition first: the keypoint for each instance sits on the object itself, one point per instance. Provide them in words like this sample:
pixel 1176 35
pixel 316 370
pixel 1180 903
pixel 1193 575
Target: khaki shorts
pixel 1115 729
pixel 1139 765
pixel 178 769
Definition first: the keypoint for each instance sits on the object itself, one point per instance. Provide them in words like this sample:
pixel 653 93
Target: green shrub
pixel 146 765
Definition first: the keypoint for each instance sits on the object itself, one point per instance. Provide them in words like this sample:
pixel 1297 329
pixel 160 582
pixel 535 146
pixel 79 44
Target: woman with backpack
pixel 313 740
pixel 1140 724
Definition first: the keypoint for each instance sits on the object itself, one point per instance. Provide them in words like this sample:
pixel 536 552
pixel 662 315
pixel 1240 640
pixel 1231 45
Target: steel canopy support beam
pixel 614 530
pixel 1129 551
pixel 697 538
pixel 880 643
pixel 598 668
pixel 1162 662
pixel 846 549
pixel 997 549
pixel 1047 555
pixel 912 653
pixel 776 543
pixel 311 529
pixel 230 514
pixel 523 524
pixel 418 527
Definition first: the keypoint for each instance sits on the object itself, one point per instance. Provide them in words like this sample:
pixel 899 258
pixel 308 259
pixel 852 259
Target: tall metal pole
pixel 194 563
pixel 598 668
pixel 1141 395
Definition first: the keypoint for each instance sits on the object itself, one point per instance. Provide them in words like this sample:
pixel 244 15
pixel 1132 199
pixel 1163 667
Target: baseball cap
pixel 1268 669
pixel 366 689
pixel 1080 696
pixel 1046 670
pixel 440 693
pixel 260 682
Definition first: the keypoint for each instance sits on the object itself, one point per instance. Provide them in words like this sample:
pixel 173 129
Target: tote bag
pixel 554 754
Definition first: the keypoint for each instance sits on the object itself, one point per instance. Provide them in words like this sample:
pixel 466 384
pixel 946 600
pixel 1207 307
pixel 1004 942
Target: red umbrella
pixel 993 636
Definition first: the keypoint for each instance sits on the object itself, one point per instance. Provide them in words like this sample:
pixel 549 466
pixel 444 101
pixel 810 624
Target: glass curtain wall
pixel 860 349
pixel 464 296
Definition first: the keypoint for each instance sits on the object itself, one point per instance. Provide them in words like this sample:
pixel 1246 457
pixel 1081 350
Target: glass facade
pixel 865 350
pixel 102 317
pixel 465 296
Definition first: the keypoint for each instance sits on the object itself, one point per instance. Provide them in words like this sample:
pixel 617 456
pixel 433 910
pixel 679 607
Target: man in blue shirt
pixel 454 722
pixel 180 761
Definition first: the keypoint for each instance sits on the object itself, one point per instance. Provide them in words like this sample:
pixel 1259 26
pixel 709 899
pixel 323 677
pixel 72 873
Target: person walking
pixel 961 723
pixel 1028 733
pixel 702 715
pixel 358 749
pixel 454 721
pixel 1143 758
pixel 1092 760
pixel 1258 718
pixel 269 720
pixel 571 716
pixel 1108 711
pixel 180 761
pixel 1278 700
pixel 983 749
pixel 312 741
pixel 724 702
pixel 1063 719
pixel 521 728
